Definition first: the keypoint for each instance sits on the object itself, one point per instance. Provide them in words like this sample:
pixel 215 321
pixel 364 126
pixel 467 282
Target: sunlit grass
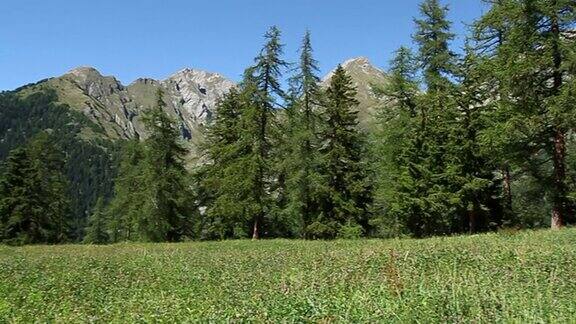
pixel 519 277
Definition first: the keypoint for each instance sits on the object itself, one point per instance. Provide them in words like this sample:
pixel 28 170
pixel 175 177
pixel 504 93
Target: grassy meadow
pixel 500 277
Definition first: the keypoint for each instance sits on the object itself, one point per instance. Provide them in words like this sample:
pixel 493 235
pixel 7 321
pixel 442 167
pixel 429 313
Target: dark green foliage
pixel 480 142
pixel 397 123
pixel 531 49
pixel 433 36
pixel 129 193
pixel 422 196
pixel 89 164
pixel 260 131
pixel 240 173
pixel 300 153
pixel 219 177
pixel 436 179
pixel 96 232
pixel 153 196
pixel 347 194
pixel 34 206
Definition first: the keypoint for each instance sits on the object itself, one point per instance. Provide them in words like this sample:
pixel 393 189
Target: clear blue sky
pixel 145 38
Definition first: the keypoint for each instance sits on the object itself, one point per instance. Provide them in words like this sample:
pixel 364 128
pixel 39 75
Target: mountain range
pixel 190 96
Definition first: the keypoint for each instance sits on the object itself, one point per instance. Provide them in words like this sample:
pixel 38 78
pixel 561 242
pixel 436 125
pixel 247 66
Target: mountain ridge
pixel 190 95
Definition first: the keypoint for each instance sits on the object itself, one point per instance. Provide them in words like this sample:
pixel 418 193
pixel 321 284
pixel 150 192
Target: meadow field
pixel 499 277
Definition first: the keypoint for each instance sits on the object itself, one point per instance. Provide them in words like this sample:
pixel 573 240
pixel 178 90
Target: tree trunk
pixel 507 187
pixel 559 159
pixel 472 219
pixel 559 154
pixel 255 234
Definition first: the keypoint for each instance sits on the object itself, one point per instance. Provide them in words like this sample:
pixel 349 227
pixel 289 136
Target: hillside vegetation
pixel 501 277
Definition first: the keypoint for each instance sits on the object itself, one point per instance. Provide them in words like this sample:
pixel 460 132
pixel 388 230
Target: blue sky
pixel 145 38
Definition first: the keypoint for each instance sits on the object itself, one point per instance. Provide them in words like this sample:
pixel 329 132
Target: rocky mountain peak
pixel 84 71
pixel 93 83
pixel 197 92
pixel 360 61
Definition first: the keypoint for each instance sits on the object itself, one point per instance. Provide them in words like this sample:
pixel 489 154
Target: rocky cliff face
pixel 190 95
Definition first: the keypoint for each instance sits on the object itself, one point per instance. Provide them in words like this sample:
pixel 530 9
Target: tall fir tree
pixel 426 196
pixel 223 173
pixel 344 204
pixel 170 210
pixel 474 179
pixel 129 192
pixel 433 37
pixel 397 124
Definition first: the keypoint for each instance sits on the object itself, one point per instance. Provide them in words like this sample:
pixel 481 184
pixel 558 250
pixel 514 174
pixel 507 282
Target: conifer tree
pixel 426 197
pixel 474 177
pixel 169 210
pixel 96 231
pixel 533 69
pixel 152 201
pixel 258 124
pixel 345 201
pixel 397 122
pixel 302 160
pixel 129 192
pixel 15 203
pixel 33 194
pixel 223 171
pixel 433 37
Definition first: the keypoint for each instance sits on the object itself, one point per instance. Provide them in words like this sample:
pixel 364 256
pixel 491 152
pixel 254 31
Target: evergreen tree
pixel 129 192
pixel 433 36
pixel 345 201
pixel 432 185
pixel 474 170
pixel 169 206
pixel 426 198
pixel 15 202
pixel 397 123
pixel 96 232
pixel 152 201
pixel 257 122
pixel 223 171
pixel 33 194
pixel 301 155
pixel 532 66
pixel 90 156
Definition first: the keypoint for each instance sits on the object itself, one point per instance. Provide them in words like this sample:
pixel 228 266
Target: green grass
pixel 514 277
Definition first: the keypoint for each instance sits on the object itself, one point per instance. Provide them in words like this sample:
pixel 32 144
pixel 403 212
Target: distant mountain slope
pixel 190 95
pixel 365 76
pixel 91 160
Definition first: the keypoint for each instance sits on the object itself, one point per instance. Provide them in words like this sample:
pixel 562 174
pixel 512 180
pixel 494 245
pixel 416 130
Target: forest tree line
pixel 463 143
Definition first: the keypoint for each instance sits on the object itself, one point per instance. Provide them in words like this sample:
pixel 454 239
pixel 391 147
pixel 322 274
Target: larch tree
pixel 302 161
pixel 152 201
pixel 532 66
pixel 259 122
